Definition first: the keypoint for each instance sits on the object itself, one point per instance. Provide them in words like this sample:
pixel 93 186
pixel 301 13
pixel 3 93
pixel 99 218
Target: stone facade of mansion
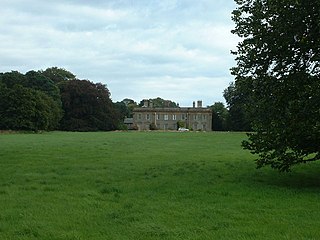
pixel 195 118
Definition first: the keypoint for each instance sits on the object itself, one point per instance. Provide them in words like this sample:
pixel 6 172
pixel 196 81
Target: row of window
pixel 167 117
pixel 166 126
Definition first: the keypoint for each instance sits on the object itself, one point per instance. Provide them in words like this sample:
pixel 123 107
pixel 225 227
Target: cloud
pixel 178 50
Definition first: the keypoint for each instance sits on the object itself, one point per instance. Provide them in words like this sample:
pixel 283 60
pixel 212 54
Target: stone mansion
pixel 194 118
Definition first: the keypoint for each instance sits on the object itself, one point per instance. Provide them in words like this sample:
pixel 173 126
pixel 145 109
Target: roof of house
pixel 179 109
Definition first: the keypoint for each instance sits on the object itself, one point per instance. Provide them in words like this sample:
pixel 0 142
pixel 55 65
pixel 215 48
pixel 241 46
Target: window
pixel 174 117
pixel 158 116
pixel 166 117
pixel 139 116
pixel 195 126
pixel 147 116
pixel 183 116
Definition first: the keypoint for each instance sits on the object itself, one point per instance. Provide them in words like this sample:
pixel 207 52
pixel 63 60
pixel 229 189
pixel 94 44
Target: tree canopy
pixel 58 75
pixel 87 106
pixel 238 119
pixel 25 108
pixel 159 102
pixel 55 99
pixel 220 117
pixel 278 76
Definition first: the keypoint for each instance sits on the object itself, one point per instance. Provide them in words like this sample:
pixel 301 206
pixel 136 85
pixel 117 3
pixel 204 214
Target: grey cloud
pixel 178 48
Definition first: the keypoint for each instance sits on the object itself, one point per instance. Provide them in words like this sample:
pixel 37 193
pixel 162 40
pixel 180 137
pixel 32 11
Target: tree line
pixel 55 99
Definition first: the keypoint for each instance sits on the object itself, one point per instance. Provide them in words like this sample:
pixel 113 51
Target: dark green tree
pixel 160 103
pixel 58 75
pixel 9 79
pixel 29 102
pixel 278 72
pixel 38 81
pixel 24 108
pixel 121 112
pixel 220 116
pixel 121 109
pixel 131 104
pixel 237 119
pixel 87 107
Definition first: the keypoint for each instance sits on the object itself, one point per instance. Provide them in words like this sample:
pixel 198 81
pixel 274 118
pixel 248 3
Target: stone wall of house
pixel 195 118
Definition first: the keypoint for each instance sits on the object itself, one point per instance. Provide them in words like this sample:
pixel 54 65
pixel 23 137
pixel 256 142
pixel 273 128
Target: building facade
pixel 195 118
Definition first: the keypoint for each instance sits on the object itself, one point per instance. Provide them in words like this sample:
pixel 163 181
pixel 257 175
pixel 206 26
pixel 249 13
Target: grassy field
pixel 149 185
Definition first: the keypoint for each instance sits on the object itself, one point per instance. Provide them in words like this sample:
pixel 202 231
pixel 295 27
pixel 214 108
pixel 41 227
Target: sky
pixel 174 49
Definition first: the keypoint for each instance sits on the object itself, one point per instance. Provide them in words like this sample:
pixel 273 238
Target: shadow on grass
pixel 301 177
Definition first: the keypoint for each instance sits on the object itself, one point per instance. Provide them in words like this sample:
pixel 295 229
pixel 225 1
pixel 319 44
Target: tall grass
pixel 149 185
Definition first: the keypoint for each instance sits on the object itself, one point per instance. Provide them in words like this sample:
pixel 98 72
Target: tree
pixel 125 108
pixel 58 75
pixel 130 104
pixel 87 106
pixel 24 108
pixel 121 109
pixel 220 117
pixel 9 79
pixel 38 81
pixel 278 72
pixel 237 119
pixel 28 102
pixel 160 103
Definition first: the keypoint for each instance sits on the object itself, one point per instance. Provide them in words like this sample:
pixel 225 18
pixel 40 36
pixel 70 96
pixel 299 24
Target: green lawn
pixel 149 185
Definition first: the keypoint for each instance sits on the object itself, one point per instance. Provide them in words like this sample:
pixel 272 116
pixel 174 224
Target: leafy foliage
pixel 121 109
pixel 278 76
pixel 238 119
pixel 220 117
pixel 58 75
pixel 27 109
pixel 160 103
pixel 87 106
pixel 38 81
pixel 28 102
pixel 32 101
pixel 130 104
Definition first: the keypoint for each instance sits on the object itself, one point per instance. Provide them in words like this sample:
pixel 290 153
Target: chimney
pixel 194 104
pixel 199 104
pixel 145 103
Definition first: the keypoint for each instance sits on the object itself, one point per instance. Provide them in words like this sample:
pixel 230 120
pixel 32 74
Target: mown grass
pixel 149 185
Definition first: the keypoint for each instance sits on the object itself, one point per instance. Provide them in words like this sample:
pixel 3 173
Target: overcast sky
pixel 173 49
